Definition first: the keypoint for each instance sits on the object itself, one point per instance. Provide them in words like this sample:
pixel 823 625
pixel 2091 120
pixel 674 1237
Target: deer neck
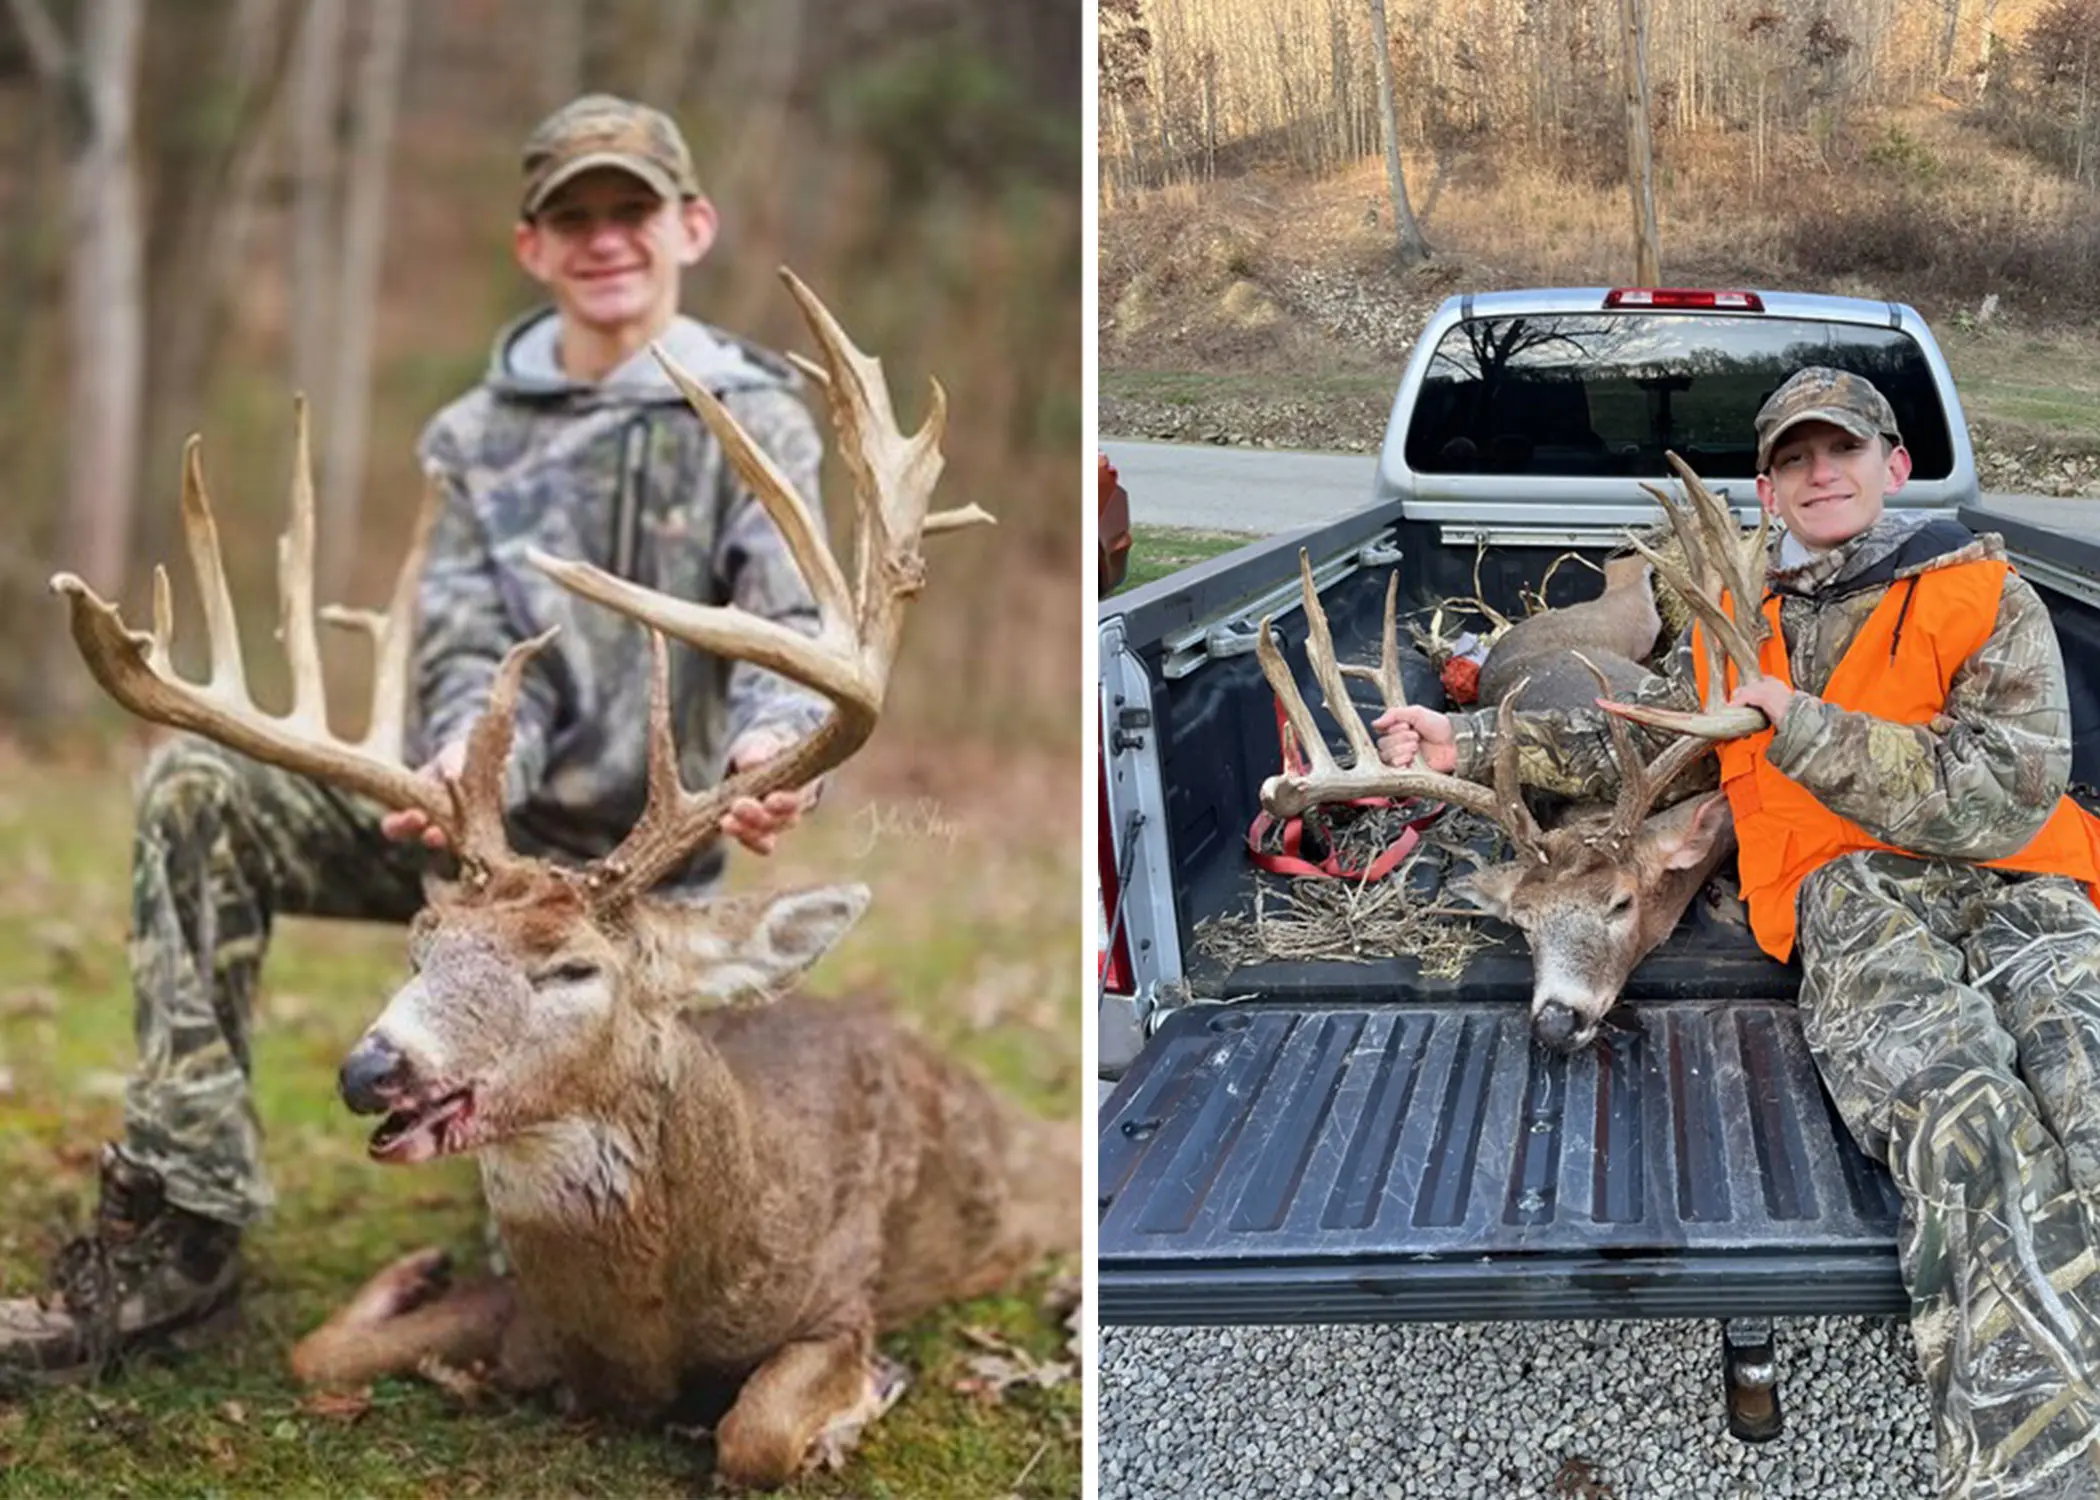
pixel 658 1092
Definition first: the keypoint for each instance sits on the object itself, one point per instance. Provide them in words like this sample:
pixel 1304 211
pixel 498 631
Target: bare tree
pixel 678 29
pixel 225 70
pixel 364 216
pixel 1640 147
pixel 1408 243
pixel 316 101
pixel 95 81
pixel 561 51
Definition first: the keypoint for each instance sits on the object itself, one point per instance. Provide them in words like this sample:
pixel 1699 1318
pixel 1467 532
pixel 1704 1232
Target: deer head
pixel 532 982
pixel 1597 894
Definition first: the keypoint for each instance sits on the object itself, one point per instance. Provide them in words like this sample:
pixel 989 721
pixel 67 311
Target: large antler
pixel 135 667
pixel 1291 794
pixel 1722 571
pixel 848 660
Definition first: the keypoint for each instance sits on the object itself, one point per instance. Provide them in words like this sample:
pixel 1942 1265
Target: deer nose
pixel 1555 1026
pixel 370 1076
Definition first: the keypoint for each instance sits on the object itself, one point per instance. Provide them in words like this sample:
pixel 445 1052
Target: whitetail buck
pixel 701 1187
pixel 1596 893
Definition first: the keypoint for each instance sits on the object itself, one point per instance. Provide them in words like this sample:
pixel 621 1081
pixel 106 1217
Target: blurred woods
pixel 1198 90
pixel 206 205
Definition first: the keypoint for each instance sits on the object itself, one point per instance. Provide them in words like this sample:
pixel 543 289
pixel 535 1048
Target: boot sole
pixel 212 1326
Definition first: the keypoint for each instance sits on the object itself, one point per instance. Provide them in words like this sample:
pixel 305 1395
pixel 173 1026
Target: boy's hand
pixel 1409 733
pixel 411 823
pixel 758 825
pixel 1768 695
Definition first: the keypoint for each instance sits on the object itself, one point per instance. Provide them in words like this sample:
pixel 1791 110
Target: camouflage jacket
pixel 620 473
pixel 1977 782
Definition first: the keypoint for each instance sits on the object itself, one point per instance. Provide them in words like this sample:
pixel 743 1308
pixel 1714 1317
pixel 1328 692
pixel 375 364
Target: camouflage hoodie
pixel 1976 783
pixel 620 473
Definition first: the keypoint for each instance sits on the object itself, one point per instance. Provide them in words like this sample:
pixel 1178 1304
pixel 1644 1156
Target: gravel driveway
pixel 1505 1411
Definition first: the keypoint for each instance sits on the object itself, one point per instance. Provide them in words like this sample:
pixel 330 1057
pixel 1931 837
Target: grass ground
pixel 1156 551
pixel 971 932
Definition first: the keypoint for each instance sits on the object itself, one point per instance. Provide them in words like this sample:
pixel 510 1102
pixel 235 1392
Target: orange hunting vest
pixel 1898 668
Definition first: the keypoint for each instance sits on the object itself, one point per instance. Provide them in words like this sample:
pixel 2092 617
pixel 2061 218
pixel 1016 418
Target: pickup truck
pixel 1359 1141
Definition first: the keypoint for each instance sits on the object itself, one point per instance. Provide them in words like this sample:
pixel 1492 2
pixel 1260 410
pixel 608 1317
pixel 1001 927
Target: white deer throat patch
pixel 566 1170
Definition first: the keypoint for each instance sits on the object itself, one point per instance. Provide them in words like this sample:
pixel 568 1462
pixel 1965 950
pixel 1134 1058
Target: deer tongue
pixel 413 1135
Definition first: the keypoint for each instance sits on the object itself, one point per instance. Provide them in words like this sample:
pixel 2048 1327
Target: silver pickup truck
pixel 1363 1142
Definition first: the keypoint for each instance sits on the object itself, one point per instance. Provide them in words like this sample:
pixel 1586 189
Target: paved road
pixel 1239 489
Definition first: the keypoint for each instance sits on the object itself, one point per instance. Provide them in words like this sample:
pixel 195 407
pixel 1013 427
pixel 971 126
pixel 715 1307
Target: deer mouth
pixel 421 1132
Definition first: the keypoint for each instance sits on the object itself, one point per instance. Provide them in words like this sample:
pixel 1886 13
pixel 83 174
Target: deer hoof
pixel 401 1287
pixel 886 1382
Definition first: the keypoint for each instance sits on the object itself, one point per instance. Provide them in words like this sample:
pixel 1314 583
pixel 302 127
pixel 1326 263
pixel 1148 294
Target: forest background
pixel 1256 280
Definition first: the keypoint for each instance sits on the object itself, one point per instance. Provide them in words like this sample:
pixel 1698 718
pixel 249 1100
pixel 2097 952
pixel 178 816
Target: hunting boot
pixel 149 1275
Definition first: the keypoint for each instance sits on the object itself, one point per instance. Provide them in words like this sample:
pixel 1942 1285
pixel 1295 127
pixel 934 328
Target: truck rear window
pixel 1590 393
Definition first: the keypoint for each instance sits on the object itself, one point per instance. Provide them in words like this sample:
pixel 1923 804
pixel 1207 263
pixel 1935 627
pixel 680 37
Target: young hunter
pixel 574 442
pixel 1903 824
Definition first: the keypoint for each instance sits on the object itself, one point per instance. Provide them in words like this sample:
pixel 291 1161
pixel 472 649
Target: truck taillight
pixel 1683 297
pixel 1115 973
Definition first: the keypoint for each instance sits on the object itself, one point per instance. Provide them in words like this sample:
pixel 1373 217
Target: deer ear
pixel 1689 848
pixel 1491 890
pixel 790 933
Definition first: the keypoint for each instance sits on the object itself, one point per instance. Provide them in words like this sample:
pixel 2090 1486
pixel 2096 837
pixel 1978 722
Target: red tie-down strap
pixel 1293 860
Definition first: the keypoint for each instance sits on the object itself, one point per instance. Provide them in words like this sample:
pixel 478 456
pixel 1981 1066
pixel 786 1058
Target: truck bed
pixel 1272 1162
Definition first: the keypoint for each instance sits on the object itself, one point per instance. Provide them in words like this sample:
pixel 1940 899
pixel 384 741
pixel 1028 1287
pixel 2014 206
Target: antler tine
pixel 860 625
pixel 1510 808
pixel 136 667
pixel 1387 674
pixel 1290 795
pixel 480 841
pixel 1319 650
pixel 295 586
pixel 393 635
pixel 1721 572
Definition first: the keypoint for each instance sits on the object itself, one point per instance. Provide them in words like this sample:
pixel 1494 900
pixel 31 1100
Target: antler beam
pixel 1326 781
pixel 1721 572
pixel 860 623
pixel 136 668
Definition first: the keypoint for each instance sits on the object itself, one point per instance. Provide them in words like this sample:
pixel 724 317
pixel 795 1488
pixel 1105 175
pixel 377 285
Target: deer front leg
pixel 808 1402
pixel 406 1314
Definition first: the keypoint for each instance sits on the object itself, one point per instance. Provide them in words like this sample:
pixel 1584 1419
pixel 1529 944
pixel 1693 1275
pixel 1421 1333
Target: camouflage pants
pixel 1954 1013
pixel 222 846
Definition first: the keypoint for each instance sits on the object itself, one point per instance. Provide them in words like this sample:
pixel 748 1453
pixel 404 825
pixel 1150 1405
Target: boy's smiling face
pixel 1828 485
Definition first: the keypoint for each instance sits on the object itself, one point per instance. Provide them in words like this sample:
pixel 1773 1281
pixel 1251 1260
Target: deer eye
pixel 1621 905
pixel 571 971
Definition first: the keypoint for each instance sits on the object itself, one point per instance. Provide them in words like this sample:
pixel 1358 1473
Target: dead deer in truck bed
pixel 1595 893
pixel 701 1187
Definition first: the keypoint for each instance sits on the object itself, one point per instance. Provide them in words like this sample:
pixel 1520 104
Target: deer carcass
pixel 1595 893
pixel 702 1188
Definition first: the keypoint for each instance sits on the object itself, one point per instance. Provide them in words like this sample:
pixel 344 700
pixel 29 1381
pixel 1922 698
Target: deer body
pixel 1595 893
pixel 767 1177
pixel 700 1184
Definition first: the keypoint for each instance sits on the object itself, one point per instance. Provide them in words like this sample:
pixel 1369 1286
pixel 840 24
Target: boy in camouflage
pixel 1940 889
pixel 574 442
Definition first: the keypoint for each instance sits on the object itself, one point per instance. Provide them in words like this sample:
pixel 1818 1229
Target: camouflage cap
pixel 599 130
pixel 1821 394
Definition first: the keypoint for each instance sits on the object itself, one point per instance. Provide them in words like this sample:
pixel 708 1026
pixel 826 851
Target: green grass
pixel 971 930
pixel 1995 370
pixel 1156 551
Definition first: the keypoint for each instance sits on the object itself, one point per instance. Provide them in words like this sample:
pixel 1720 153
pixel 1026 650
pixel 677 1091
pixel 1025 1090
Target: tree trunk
pixel 98 82
pixel 663 79
pixel 1640 146
pixel 316 98
pixel 561 52
pixel 209 196
pixel 1408 245
pixel 357 309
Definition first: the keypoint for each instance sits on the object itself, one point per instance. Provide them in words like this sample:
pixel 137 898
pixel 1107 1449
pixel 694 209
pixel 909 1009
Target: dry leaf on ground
pixel 1003 1365
pixel 339 1406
